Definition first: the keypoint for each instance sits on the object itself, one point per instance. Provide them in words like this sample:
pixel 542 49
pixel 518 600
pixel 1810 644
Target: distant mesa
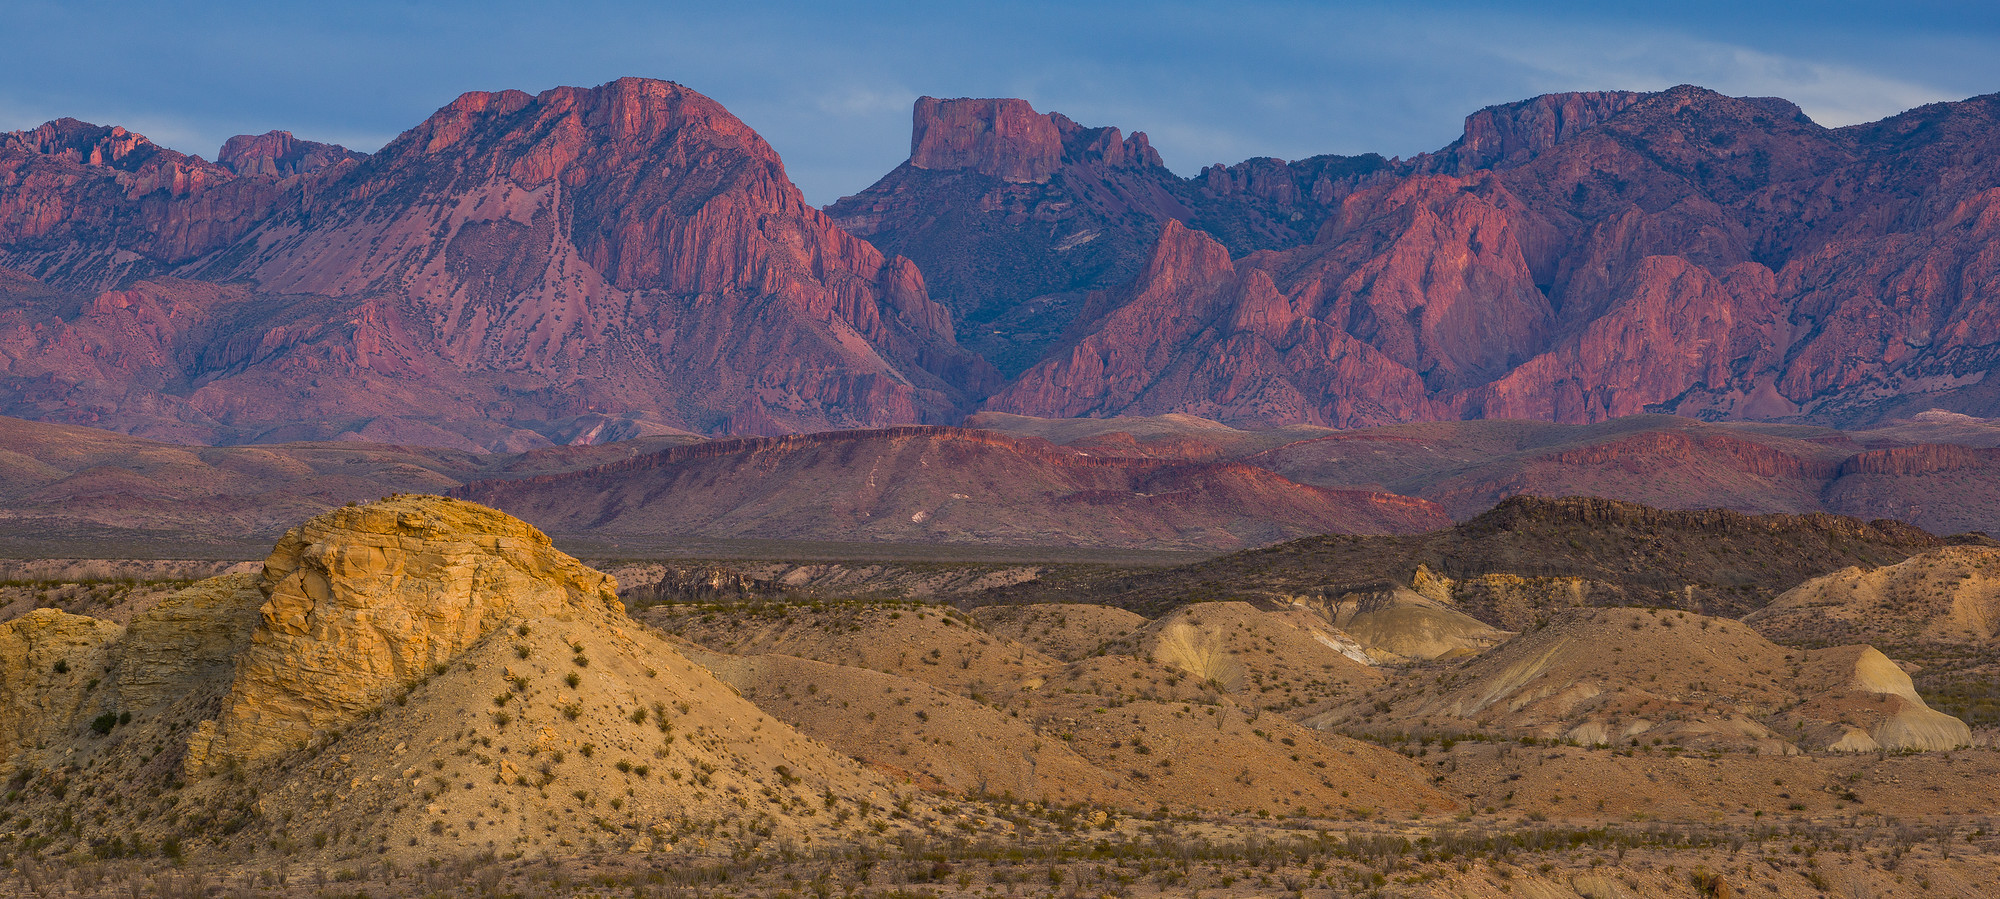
pixel 942 486
pixel 1008 140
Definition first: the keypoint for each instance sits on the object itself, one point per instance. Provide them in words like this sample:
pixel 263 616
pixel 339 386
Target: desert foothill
pixel 1593 496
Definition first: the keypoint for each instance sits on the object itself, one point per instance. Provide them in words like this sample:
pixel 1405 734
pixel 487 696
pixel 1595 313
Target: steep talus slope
pixel 1625 676
pixel 942 485
pixel 513 266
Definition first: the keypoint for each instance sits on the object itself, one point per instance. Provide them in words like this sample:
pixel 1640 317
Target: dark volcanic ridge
pixel 1527 557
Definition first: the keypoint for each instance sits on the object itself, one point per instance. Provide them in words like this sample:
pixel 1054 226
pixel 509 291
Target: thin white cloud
pixel 1833 94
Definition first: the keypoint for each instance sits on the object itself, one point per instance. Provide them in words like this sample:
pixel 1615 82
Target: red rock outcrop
pixel 1015 215
pixel 1197 334
pixel 85 206
pixel 277 154
pixel 1514 133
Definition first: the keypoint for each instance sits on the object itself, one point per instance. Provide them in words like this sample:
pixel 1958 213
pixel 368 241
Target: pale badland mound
pixel 1143 711
pixel 1632 676
pixel 1940 609
pixel 1946 596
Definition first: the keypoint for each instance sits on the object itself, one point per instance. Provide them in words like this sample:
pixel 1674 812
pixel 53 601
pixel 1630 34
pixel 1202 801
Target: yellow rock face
pixel 47 660
pixel 188 642
pixel 367 599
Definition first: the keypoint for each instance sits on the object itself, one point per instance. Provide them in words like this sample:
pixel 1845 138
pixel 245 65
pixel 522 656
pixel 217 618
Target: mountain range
pixel 630 260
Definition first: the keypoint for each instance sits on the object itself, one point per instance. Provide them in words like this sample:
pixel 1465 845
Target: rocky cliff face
pixel 1573 258
pixel 1014 215
pixel 86 206
pixel 366 599
pixel 511 265
pixel 277 154
pixel 46 658
pixel 524 269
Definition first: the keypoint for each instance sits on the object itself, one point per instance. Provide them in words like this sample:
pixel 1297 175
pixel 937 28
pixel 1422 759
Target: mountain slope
pixel 942 485
pixel 1015 215
pixel 1571 258
pixel 513 264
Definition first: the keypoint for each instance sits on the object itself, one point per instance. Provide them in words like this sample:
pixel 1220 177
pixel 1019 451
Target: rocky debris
pixel 49 664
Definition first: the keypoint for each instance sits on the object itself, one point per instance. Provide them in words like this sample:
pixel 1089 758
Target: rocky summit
pixel 510 268
pixel 519 270
pixel 1571 258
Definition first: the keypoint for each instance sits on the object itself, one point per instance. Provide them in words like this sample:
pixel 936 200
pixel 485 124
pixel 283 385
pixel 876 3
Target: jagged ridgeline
pixel 415 675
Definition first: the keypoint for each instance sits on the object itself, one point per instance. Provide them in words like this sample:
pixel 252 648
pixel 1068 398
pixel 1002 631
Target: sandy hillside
pixel 1651 676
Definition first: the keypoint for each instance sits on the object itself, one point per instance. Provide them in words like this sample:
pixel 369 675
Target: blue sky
pixel 830 85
